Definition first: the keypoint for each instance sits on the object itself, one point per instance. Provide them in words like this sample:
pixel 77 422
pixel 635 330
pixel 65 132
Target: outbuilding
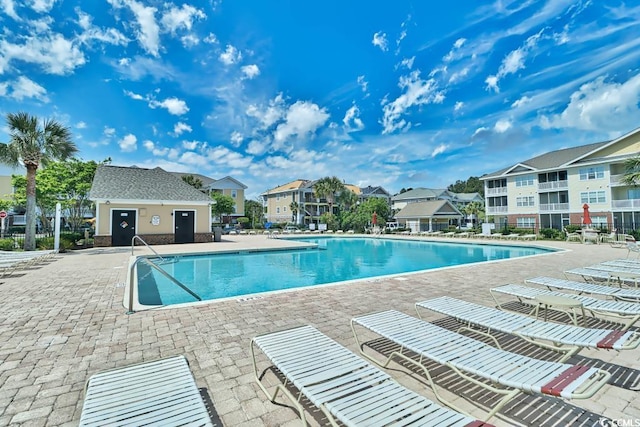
pixel 154 204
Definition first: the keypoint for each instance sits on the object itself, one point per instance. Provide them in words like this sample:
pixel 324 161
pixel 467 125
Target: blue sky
pixel 397 94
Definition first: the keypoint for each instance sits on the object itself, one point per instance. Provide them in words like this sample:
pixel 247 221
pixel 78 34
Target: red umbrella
pixel 586 218
pixel 374 218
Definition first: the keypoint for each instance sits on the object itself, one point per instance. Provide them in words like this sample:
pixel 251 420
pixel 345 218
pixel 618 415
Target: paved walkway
pixel 64 321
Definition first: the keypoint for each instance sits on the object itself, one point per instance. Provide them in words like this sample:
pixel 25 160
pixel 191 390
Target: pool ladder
pixel 132 270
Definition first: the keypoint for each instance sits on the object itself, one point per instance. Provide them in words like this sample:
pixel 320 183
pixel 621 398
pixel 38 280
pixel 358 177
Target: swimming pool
pixel 217 276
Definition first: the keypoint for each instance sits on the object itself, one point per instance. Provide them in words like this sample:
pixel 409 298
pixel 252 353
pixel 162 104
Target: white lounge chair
pixel 627 311
pixel 468 358
pixel 344 386
pixel 604 274
pixel 624 294
pixel 565 339
pixel 163 392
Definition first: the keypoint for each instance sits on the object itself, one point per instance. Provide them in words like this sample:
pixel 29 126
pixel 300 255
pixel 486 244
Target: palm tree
pixel 347 199
pixel 632 171
pixel 34 145
pixel 327 188
pixel 475 209
pixel 294 211
pixel 193 181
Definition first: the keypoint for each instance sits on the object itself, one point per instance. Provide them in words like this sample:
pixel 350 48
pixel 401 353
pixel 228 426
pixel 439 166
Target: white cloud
pixel 181 18
pixel 458 106
pixel 52 52
pixel 180 127
pixel 439 150
pixel 502 126
pixel 251 71
pixel 42 6
pixel 302 118
pixel 459 75
pixel 133 95
pixel 408 62
pixel 9 8
pixel 22 88
pixel 363 84
pixel 416 92
pixel 223 156
pixel 513 62
pixel 91 32
pixel 129 143
pixel 257 147
pixel 352 121
pixel 520 102
pixel 380 40
pixel 189 40
pixel 454 52
pixel 174 106
pixel 269 115
pixel 230 56
pixel 236 138
pixel 190 145
pixel 600 106
pixel 211 39
pixel 3 88
pixel 81 125
pixel 109 132
pixel 155 150
pixel 148 34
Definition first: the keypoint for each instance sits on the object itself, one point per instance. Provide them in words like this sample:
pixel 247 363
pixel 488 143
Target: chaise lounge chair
pixel 623 294
pixel 344 386
pixel 567 339
pixel 156 393
pixel 513 373
pixel 628 311
pixel 610 275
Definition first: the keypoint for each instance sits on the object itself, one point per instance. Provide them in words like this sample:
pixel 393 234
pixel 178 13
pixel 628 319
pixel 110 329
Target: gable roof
pixel 467 197
pixel 420 193
pixel 293 185
pixel 133 183
pixel 550 160
pixel 374 190
pixel 217 184
pixel 428 209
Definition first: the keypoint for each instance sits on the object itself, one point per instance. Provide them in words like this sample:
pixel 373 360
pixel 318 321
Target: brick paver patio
pixel 64 321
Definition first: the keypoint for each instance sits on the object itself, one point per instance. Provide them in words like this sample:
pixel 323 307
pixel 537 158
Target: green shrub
pixel 571 228
pixel 47 243
pixel 551 233
pixel 7 244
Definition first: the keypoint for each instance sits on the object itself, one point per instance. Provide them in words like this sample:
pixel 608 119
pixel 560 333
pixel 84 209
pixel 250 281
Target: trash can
pixel 217 234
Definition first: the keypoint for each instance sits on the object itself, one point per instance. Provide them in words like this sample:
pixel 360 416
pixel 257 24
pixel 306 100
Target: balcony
pixel 553 185
pixel 616 180
pixel 494 210
pixel 496 191
pixel 626 204
pixel 554 207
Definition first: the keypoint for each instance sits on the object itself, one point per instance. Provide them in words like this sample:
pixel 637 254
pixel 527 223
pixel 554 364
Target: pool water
pixel 214 276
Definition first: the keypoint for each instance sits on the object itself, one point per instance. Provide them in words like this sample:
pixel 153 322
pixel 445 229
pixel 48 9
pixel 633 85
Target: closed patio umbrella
pixel 374 218
pixel 586 217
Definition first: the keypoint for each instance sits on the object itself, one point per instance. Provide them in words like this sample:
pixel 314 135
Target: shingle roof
pixel 206 181
pixel 552 159
pixel 124 183
pixel 419 193
pixel 293 185
pixel 431 208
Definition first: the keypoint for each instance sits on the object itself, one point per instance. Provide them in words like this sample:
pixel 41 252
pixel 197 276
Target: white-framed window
pixel 633 193
pixel 234 193
pixel 525 222
pixel 593 197
pixel 278 198
pixel 524 181
pixel 278 209
pixel 599 221
pixel 596 172
pixel 525 201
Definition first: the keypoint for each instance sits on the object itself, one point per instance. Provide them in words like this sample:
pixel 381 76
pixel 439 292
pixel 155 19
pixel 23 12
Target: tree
pixel 632 171
pixel 193 181
pixel 294 211
pixel 471 185
pixel 224 205
pixel 346 199
pixel 253 210
pixel 34 145
pixel 360 218
pixel 474 208
pixel 327 188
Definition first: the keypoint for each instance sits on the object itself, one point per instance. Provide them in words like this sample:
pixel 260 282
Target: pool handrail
pixel 132 269
pixel 133 241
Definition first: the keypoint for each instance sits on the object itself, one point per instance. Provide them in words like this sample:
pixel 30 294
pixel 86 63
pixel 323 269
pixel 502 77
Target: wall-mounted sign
pixel 155 220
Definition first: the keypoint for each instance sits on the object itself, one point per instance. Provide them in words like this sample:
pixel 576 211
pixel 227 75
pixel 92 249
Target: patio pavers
pixel 64 321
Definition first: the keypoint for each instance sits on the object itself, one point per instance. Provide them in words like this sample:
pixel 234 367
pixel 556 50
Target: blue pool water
pixel 214 276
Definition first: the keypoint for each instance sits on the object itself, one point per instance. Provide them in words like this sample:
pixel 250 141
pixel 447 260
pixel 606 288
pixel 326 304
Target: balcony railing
pixel 553 185
pixel 496 190
pixel 554 207
pixel 492 210
pixel 625 204
pixel 616 180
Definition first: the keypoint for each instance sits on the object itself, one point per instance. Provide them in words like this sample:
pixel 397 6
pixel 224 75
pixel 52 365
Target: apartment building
pixel 550 190
pixel 228 186
pixel 296 202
